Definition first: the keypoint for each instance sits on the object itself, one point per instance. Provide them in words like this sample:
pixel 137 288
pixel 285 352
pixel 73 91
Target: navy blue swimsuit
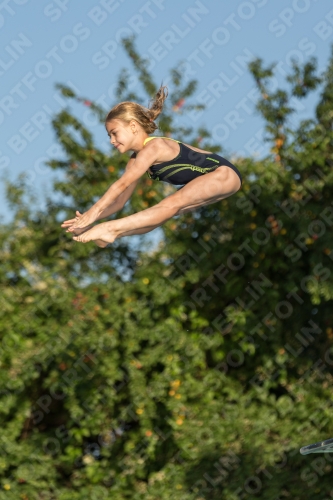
pixel 187 165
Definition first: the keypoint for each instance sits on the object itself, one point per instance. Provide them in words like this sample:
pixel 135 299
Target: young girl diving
pixel 206 177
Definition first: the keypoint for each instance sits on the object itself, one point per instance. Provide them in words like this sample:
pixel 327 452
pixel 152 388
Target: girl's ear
pixel 133 126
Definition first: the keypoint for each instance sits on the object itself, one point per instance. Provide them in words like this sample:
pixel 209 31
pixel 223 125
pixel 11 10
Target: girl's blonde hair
pixel 145 117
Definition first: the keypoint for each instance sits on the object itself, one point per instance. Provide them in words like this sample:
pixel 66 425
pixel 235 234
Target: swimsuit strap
pixel 158 137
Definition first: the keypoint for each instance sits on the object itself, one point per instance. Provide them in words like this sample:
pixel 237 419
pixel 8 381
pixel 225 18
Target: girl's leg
pixel 147 230
pixel 211 187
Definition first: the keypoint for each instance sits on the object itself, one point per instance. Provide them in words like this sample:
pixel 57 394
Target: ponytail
pixel 157 103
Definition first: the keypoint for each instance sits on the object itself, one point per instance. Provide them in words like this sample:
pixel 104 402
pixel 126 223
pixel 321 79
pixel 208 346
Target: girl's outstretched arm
pixel 135 168
pixel 110 210
pixel 120 201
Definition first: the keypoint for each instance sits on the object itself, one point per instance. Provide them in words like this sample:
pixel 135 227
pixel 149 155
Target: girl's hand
pixel 82 221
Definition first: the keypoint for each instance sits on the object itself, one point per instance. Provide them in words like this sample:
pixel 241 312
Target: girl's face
pixel 121 135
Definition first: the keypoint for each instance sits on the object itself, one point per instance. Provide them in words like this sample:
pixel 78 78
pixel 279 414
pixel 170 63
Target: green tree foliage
pixel 193 371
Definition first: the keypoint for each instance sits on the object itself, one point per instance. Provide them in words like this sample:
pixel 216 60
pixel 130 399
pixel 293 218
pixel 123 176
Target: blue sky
pixel 78 43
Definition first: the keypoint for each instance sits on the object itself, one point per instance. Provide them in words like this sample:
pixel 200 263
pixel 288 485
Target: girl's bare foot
pixel 100 234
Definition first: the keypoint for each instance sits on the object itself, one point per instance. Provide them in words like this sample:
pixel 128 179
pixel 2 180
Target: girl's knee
pixel 228 180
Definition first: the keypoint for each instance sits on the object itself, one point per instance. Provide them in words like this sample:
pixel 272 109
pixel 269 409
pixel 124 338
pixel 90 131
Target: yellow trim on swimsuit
pixel 157 137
